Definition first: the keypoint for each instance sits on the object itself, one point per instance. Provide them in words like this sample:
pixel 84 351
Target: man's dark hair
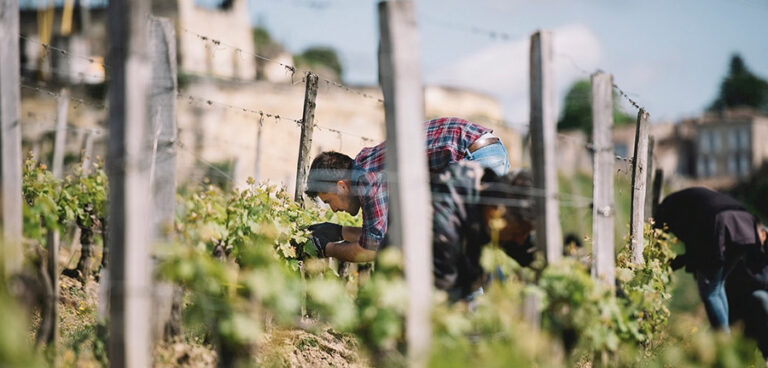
pixel 514 191
pixel 326 169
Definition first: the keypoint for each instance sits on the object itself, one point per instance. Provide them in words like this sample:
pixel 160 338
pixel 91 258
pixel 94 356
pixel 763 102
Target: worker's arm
pixel 351 233
pixel 350 252
pixel 373 205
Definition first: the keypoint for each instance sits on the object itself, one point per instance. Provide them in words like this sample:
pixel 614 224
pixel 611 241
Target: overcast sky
pixel 669 54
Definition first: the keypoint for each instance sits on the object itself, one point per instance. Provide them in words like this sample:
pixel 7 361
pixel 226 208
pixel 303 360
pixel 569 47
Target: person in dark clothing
pixel 747 291
pixel 465 200
pixel 720 235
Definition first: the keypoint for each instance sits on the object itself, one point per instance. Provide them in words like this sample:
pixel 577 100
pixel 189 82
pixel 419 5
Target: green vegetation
pixel 741 88
pixel 753 192
pixel 318 58
pixel 252 286
pixel 577 110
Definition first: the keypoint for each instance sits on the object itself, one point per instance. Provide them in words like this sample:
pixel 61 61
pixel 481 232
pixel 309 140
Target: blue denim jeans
pixel 712 292
pixel 493 156
pixel 759 321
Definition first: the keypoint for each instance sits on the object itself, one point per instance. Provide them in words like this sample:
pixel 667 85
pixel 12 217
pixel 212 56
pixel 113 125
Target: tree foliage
pixel 740 88
pixel 753 192
pixel 320 57
pixel 577 110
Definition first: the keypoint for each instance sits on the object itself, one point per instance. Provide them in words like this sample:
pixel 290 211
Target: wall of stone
pixel 231 26
pixel 217 134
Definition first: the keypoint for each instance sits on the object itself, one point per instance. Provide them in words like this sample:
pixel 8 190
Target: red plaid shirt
pixel 448 140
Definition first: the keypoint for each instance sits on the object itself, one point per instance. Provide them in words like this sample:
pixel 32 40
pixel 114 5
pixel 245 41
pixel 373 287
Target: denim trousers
pixel 493 156
pixel 712 292
pixel 758 323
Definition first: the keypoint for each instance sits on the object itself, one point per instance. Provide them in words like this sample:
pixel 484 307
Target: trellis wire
pixel 290 68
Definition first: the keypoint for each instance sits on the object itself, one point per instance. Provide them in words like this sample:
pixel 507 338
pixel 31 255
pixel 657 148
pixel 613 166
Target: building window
pixel 704 141
pixel 744 139
pixel 744 165
pixel 716 144
pixel 711 166
pixel 701 169
pixel 733 164
pixel 733 140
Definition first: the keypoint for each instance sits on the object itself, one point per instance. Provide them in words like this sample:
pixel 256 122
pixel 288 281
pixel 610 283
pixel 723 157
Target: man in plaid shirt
pixel 350 185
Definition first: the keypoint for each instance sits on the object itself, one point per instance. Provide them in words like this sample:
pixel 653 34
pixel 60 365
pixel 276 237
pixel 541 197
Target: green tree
pixel 265 46
pixel 753 192
pixel 741 88
pixel 320 57
pixel 577 113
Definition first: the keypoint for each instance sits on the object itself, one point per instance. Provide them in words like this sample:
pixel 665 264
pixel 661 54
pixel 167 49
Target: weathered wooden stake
pixel 257 165
pixel 60 140
pixel 639 165
pixel 87 156
pixel 305 144
pixel 603 207
pixel 162 107
pixel 410 210
pixel 543 132
pixel 10 135
pixel 648 209
pixel 128 229
pixel 53 237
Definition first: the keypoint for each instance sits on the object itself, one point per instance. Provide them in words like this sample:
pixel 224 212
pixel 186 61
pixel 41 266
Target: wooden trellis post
pixel 162 107
pixel 53 237
pixel 603 207
pixel 60 139
pixel 639 166
pixel 10 135
pixel 87 156
pixel 543 132
pixel 128 165
pixel 648 209
pixel 305 144
pixel 408 179
pixel 257 165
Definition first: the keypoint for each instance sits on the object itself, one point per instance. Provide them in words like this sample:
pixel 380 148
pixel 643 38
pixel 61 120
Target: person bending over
pixel 720 235
pixel 466 201
pixel 351 185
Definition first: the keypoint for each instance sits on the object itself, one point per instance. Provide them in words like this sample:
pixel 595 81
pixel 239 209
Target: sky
pixel 669 55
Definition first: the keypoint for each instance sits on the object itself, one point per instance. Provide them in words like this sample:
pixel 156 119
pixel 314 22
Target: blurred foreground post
pixel 639 165
pixel 162 108
pixel 128 165
pixel 543 132
pixel 305 144
pixel 10 136
pixel 410 224
pixel 603 192
pixel 53 237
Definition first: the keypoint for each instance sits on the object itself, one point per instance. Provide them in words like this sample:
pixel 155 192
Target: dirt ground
pixel 79 346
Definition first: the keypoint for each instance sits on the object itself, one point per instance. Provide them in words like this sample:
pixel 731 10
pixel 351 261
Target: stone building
pixel 220 135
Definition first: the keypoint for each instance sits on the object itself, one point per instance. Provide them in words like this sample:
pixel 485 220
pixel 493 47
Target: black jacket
pixel 716 229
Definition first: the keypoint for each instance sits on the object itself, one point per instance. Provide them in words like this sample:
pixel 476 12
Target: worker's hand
pixel 327 230
pixel 320 243
pixel 678 262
